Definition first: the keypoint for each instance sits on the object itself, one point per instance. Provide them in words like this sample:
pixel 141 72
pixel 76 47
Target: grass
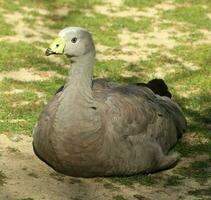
pixel 192 37
pixel 73 4
pixel 111 69
pixel 101 23
pixel 141 3
pixel 199 55
pixel 205 3
pixel 50 5
pixel 173 180
pixel 2 178
pixel 29 198
pixel 147 180
pixel 5 28
pixel 190 87
pixel 188 150
pixel 195 15
pixel 96 24
pixel 24 55
pixel 142 25
pixel 110 186
pixel 27 113
pixel 201 192
pixel 198 170
pixel 119 197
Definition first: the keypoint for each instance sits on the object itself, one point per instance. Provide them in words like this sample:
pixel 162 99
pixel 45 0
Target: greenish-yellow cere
pixel 58 45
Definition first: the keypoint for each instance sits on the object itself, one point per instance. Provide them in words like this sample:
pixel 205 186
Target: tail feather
pixel 158 86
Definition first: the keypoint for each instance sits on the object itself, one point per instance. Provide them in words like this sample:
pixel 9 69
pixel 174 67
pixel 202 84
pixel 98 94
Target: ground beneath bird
pixel 24 176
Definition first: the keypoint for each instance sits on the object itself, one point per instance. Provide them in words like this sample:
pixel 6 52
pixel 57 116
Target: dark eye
pixel 74 40
pixel 57 45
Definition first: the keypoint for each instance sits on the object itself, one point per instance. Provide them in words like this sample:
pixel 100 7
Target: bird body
pixel 92 128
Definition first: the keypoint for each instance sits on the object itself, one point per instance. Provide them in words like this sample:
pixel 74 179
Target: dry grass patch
pixel 29 75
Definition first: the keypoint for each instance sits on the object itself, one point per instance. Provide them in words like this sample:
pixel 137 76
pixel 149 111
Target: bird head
pixel 73 42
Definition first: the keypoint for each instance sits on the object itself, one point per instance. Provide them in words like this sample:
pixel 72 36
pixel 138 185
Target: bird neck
pixel 79 83
pixel 76 100
pixel 80 75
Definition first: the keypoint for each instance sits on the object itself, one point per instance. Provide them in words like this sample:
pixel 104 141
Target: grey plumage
pixel 93 128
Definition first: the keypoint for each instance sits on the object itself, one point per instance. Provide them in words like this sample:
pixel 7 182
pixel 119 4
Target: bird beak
pixel 49 52
pixel 56 47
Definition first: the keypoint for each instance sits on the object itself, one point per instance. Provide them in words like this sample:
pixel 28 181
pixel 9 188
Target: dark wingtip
pixel 158 86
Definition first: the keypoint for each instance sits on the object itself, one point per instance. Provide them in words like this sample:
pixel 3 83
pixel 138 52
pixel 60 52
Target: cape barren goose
pixel 92 128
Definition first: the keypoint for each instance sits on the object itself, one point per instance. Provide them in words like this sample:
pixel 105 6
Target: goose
pixel 92 128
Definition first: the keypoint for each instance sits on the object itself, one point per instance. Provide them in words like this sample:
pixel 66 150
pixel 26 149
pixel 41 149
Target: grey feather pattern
pixel 132 116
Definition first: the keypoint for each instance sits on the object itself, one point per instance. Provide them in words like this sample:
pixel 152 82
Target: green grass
pixel 99 23
pixel 141 3
pixel 5 28
pixel 96 24
pixel 50 5
pixel 113 69
pixel 173 181
pixel 72 4
pixel 206 3
pixel 24 55
pixel 142 25
pixel 110 186
pixel 11 108
pixel 10 5
pixel 195 15
pixel 201 192
pixel 196 105
pixel 110 69
pixel 147 180
pixel 192 37
pixel 199 55
pixel 188 150
pixel 198 170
